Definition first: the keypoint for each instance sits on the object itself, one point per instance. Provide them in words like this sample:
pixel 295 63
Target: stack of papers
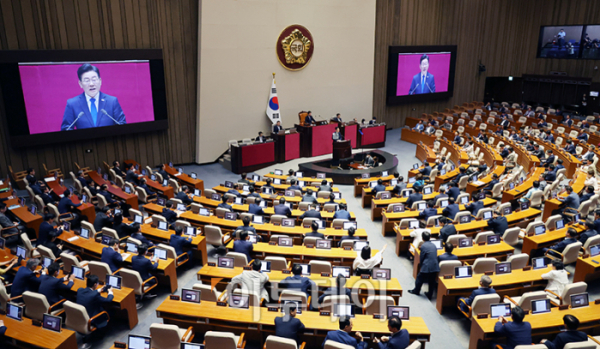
pixel 125 255
pixel 73 238
pixel 49 179
pixel 478 183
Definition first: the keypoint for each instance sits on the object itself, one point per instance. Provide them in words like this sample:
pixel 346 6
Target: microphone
pixel 426 84
pixel 113 119
pixel 413 91
pixel 78 116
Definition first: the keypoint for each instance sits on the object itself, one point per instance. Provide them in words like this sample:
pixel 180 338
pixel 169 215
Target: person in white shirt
pixel 365 261
pixel 557 278
pixel 252 281
pixel 591 180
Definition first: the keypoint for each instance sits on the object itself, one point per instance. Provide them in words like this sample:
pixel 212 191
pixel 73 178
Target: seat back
pixel 482 237
pixel 239 259
pixel 306 222
pixel 182 223
pixel 69 261
pixel 274 342
pixel 195 207
pixel 581 345
pixel 461 214
pixel 76 317
pixel 377 304
pixel 292 295
pixel 594 240
pixel 277 218
pixel 571 252
pixel 537 198
pixel 528 297
pixel 207 293
pixel 318 267
pixel 39 203
pixel 329 344
pixel 133 213
pixel 46 252
pixel 416 204
pixel 89 226
pixel 27 244
pixel 165 336
pixel 214 236
pixel 518 261
pixel 483 264
pixel 462 183
pixel 338 223
pixel 53 209
pixel 482 211
pixel 310 240
pixel 453 239
pixel 132 279
pixel 110 232
pixel 277 263
pixel 323 194
pixel 222 340
pixel 447 267
pixel 405 223
pixel 36 305
pixel 481 303
pixel 100 269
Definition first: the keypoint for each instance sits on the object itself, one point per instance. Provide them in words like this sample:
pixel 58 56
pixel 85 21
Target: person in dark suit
pixel 583 136
pixel 131 176
pixel 84 182
pixel 517 331
pixel 426 170
pixel 136 233
pixel 451 210
pixel 255 207
pixel 183 195
pixel 350 236
pixel 538 152
pixel 122 229
pixel 567 120
pixel 343 334
pixel 52 287
pixel 309 119
pixel 179 242
pixel 103 220
pixel 379 187
pixel 117 168
pixel 340 289
pixel 490 186
pixel 569 336
pixel 282 209
pixel 429 211
pixel 261 138
pixel 485 282
pixel 298 282
pixel 342 213
pixel 429 267
pixel 587 194
pixel 288 326
pixel 419 127
pixel 26 279
pixel 234 191
pixel 53 246
pixel 589 232
pixel 162 172
pixel 144 185
pixel 46 229
pixel 442 195
pixel 65 204
pixel 569 147
pixel 447 229
pixel 550 174
pixel 314 226
pixel 337 135
pixel 498 223
pixel 325 186
pixel 169 214
pixel 423 82
pixel 111 255
pixel 311 213
pixel 308 197
pixel 453 190
pixel 92 300
pixel 104 192
pixel 145 266
pixel 253 193
pixel 373 121
pixel 414 197
pixel 92 108
pixel 475 205
pixel 400 339
pixel 505 152
pixel 224 204
pixel 447 255
pixel 246 226
pixel 571 237
pixel 462 172
pixel 243 245
pixel 277 127
pixel 570 203
pixel 294 185
pixel 337 118
pixel 30 177
pixel 549 159
pixel 46 197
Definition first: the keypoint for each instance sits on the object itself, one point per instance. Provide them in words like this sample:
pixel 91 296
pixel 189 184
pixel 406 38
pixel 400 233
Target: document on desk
pixel 125 255
pixel 49 179
pixel 73 238
pixel 478 183
pixel 12 207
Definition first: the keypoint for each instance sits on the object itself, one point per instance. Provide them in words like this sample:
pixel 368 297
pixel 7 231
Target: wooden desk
pixel 425 153
pixel 130 199
pixel 25 216
pixel 24 335
pixel 357 285
pixel 569 161
pixel 470 254
pixel 157 235
pixel 184 178
pixel 312 180
pixel 272 198
pixel 472 187
pixel 360 183
pixel 542 325
pixel 416 137
pixel 303 254
pixel 167 191
pixel 389 219
pixel 166 272
pixel 521 190
pixel 258 322
pixel 587 269
pixel 279 187
pixel 403 238
pixel 86 209
pixel 554 204
pixel 512 284
pixel 531 243
pixel 265 229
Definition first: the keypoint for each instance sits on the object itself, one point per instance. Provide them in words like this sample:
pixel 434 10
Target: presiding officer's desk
pixel 252 156
pixel 161 236
pixel 543 326
pixel 359 286
pixel 23 334
pixel 302 254
pixel 512 284
pixel 265 230
pixel 587 269
pixel 500 251
pixel 550 237
pixel 93 249
pixel 390 219
pixel 554 204
pixel 258 322
pixel 130 199
pixel 403 238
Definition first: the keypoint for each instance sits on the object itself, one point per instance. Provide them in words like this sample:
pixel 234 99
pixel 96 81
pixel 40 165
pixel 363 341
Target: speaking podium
pixel 342 150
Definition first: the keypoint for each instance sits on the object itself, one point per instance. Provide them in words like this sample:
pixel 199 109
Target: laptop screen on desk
pixel 579 300
pixel 437 243
pixel 413 224
pixel 160 253
pixel 138 219
pixel 114 281
pixel 540 229
pixel 347 225
pixel 381 273
pixel 236 301
pixel 46 262
pixel 594 250
pixel 131 247
pixel 188 295
pixel 324 244
pixel 493 239
pixel 51 323
pixel 163 226
pixel 540 306
pixel 265 266
pixel 503 268
pixel 191 346
pixel 400 312
pixel 539 262
pixel 487 215
pixel 181 207
pixel 398 208
pixel 465 219
pixel 465 242
pixel 340 310
pixel 256 219
pixel 501 309
pixel 78 272
pixel 359 245
pixel 225 262
pixel 427 190
pixel 139 342
pixel 191 231
pixel 344 271
pixel 14 311
pixel 285 241
pixel 21 252
pixel 560 224
pixel 299 174
pixel 463 272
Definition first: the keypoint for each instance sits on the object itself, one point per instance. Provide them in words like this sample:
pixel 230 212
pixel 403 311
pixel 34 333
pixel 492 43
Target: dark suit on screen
pixel 417 87
pixel 78 104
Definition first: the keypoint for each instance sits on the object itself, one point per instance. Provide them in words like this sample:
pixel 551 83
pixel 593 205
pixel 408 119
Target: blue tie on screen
pixel 422 83
pixel 93 110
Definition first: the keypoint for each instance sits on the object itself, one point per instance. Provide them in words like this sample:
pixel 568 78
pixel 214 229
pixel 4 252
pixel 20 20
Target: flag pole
pixel 273 76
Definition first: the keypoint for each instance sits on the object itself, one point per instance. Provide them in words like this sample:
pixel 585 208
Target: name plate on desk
pixel 247 268
pixel 481 243
pixel 120 345
pixel 324 313
pixel 378 316
pixel 36 323
pixel 527 268
pixel 597 301
pixel 286 271
pixel 325 274
pixel 221 304
pixel 275 309
pixel 563 307
pixel 212 264
pixel 347 248
pixel 482 315
pixel 365 276
pixel 448 276
pixel 489 273
pixel 310 246
pixel 272 243
pixel 174 297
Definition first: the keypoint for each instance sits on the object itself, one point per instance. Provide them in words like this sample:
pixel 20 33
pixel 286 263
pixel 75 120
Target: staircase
pixel 225 160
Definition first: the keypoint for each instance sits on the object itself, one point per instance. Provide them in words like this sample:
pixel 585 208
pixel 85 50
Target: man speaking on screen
pixel 92 108
pixel 424 81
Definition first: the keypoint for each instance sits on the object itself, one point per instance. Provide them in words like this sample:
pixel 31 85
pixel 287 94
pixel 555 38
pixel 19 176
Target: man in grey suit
pixel 429 267
pixel 337 136
pixel 571 203
pixel 6 222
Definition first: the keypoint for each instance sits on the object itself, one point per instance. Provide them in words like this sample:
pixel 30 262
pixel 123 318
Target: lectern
pixel 342 150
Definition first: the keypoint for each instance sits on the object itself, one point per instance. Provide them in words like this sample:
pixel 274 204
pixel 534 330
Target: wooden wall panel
pixel 111 24
pixel 503 34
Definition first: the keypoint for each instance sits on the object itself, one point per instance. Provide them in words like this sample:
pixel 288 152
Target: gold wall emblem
pixel 296 47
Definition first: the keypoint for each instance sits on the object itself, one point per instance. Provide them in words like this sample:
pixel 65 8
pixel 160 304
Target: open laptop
pixel 131 247
pixel 114 281
pixel 400 312
pixel 465 242
pixel 225 262
pixel 579 300
pixel 256 219
pixel 437 243
pixel 413 224
pixel 559 224
pixel 443 203
pixel 594 250
pixel 487 215
pixel 189 295
pixel 190 231
pixel 21 252
pixel 539 262
pixel 323 244
pixel 285 241
pixel 265 266
pixel 139 342
pixel 160 253
pixel 540 306
pixel 360 244
pixel 163 226
pixel 503 268
pixel 138 219
pixel 52 323
pixel 347 225
pixel 46 262
pixel 382 273
pixel 540 229
pixel 499 309
pixel 344 271
pixel 78 272
pixel 493 239
pixel 14 311
pixel 465 219
pixel 463 272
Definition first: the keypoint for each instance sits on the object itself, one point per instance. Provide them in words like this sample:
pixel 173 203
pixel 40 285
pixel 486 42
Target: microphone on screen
pixel 113 119
pixel 414 89
pixel 78 116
